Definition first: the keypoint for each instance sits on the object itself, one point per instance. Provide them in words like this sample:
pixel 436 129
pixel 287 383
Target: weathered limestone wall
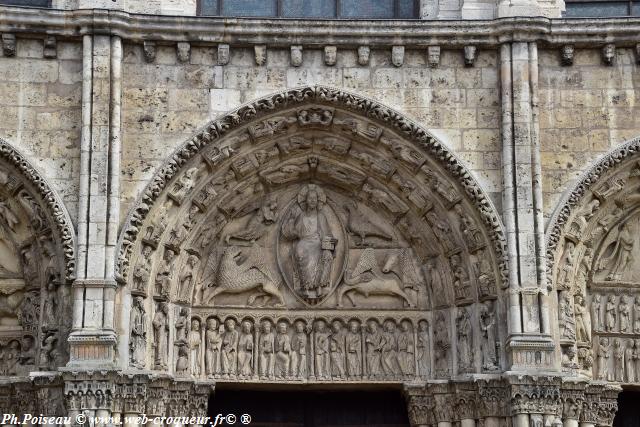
pixel 165 101
pixel 585 110
pixel 41 111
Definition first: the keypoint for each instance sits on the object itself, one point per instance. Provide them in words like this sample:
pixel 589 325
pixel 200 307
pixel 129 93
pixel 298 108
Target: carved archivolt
pixel 36 268
pixel 350 225
pixel 592 247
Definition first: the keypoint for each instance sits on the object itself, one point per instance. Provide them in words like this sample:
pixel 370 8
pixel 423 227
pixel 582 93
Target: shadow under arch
pixel 391 206
pixel 591 240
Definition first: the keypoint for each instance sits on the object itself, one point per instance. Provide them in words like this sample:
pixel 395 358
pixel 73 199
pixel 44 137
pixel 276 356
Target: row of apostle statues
pixel 309 349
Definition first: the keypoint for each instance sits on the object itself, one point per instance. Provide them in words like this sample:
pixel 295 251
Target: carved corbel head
pixel 363 55
pixel 296 56
pixel 260 52
pixel 567 54
pixel 50 49
pixel 433 56
pixel 183 50
pixel 397 55
pixel 149 51
pixel 609 53
pixel 469 56
pixel 223 54
pixel 9 44
pixel 330 55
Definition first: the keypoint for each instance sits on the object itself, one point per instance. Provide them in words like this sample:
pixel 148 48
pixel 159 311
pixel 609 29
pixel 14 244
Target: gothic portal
pixel 312 237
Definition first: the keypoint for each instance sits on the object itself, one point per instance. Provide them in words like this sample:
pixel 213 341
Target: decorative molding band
pixel 217 129
pixel 558 221
pixel 284 33
pixel 52 202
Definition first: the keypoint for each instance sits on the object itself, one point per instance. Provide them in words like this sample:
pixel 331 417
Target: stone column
pixel 529 339
pixel 93 338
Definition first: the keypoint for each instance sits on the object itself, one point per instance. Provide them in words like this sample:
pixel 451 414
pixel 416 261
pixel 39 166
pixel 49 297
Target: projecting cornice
pixel 284 33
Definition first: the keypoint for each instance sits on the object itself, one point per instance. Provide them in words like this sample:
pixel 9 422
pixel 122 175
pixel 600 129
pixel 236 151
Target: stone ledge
pixel 313 33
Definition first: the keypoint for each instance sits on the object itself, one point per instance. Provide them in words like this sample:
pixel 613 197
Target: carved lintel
pixel 397 55
pixel 8 44
pixel 296 56
pixel 330 55
pixel 363 55
pixel 224 54
pixel 433 56
pixel 567 55
pixel 50 48
pixel 149 51
pixel 260 53
pixel 470 53
pixel 183 51
pixel 609 54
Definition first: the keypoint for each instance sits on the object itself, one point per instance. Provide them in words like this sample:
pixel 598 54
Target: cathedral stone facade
pixel 445 208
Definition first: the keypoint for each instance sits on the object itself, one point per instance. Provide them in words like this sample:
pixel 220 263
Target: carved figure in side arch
pixel 337 350
pixel 282 351
pixel 138 340
pixel 374 342
pixel 229 348
pixel 629 362
pixel 257 224
pixel 435 281
pixel 618 360
pixel 161 336
pixel 299 351
pixel 188 278
pixel 7 215
pixel 321 346
pixel 36 214
pixel 442 344
pixel 213 341
pixel 236 275
pixel 245 350
pixel 442 231
pixel 596 308
pixel 566 270
pixel 611 314
pixel 566 320
pixel 636 357
pixel 603 360
pixel 354 350
pixel 489 337
pixel 468 227
pixel 406 346
pixel 619 261
pixel 194 339
pixel 390 350
pixel 583 216
pixel 359 225
pixel 142 270
pixel 267 350
pixel 423 349
pixel 636 318
pixel 624 311
pixel 583 323
pixel 463 328
pixel 183 185
pixel 367 279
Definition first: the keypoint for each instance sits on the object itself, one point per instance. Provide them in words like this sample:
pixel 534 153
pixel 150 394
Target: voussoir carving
pixel 591 245
pixel 36 269
pixel 308 237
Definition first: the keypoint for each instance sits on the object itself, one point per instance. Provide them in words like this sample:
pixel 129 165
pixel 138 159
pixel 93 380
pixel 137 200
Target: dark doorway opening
pixel 299 408
pixel 628 414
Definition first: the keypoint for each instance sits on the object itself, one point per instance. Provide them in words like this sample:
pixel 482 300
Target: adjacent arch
pixel 37 262
pixel 592 246
pixel 313 218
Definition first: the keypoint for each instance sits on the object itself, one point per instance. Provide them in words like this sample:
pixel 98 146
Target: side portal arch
pixel 313 235
pixel 592 247
pixel 37 266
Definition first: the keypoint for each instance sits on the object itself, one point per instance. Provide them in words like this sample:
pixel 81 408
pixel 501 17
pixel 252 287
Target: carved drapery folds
pixel 592 243
pixel 314 235
pixel 36 267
